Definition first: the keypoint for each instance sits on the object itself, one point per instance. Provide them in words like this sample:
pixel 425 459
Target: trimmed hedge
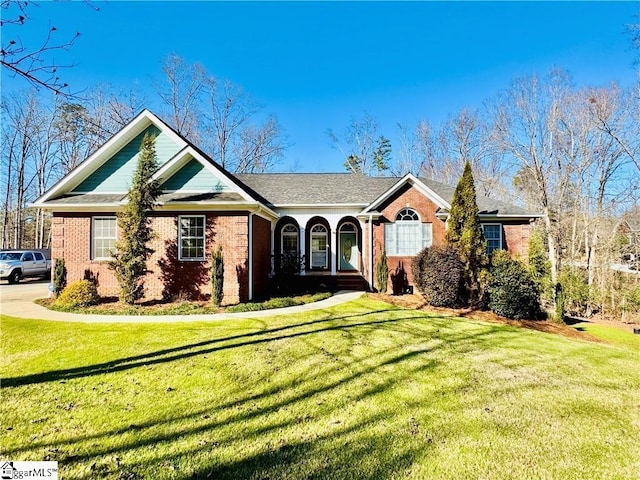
pixel 438 274
pixel 82 293
pixel 512 291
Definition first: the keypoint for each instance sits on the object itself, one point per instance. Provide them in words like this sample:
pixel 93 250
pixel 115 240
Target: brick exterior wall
pixel 168 276
pixel 406 197
pixel 261 256
pixel 515 233
pixel 515 237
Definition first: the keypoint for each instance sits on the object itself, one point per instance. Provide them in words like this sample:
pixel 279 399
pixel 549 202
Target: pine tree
pixel 134 226
pixel 464 234
pixel 382 155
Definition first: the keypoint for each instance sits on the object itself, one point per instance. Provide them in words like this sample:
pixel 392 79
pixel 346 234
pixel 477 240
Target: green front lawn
pixel 613 335
pixel 364 390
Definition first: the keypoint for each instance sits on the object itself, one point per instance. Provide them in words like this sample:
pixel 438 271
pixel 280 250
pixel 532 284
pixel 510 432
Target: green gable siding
pixel 193 177
pixel 116 173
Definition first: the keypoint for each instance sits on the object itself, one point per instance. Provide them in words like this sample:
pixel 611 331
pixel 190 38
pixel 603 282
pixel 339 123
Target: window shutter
pixel 427 240
pixel 390 238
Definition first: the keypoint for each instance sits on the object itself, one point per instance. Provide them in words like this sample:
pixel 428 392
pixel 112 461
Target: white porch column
pixel 334 249
pixel 302 249
pixel 273 251
pixel 370 250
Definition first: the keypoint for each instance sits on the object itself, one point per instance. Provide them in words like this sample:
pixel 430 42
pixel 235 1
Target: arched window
pixel 348 227
pixel 289 244
pixel 319 253
pixel 407 235
pixel 407 215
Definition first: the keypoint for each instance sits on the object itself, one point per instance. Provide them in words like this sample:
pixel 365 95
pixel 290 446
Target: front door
pixel 348 252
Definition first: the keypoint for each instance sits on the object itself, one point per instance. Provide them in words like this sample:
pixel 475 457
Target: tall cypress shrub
pixel 382 273
pixel 217 276
pixel 59 276
pixel 464 234
pixel 134 226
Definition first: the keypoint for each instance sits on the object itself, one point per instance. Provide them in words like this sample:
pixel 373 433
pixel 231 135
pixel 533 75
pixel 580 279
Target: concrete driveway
pixel 17 299
pixel 28 289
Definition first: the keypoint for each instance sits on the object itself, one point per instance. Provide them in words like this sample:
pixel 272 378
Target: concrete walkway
pixel 22 308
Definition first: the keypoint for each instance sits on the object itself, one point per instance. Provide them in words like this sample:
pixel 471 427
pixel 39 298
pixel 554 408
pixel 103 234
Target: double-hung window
pixel 103 237
pixel 319 246
pixel 407 235
pixel 191 237
pixel 289 244
pixel 493 236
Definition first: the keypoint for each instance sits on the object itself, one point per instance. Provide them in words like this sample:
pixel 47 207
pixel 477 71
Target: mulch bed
pixel 416 302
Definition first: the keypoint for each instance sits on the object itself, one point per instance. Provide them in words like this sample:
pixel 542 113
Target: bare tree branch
pixel 32 63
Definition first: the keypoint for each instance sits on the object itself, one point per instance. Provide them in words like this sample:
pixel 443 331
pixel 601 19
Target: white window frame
pixel 422 232
pixel 352 225
pixel 290 233
pixel 500 239
pixel 319 231
pixel 109 238
pixel 203 237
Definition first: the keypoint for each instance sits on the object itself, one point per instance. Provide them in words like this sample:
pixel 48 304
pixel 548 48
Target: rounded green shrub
pixel 512 291
pixel 438 274
pixel 82 293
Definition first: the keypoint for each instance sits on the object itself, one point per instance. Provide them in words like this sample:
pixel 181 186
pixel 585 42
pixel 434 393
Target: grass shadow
pixel 183 351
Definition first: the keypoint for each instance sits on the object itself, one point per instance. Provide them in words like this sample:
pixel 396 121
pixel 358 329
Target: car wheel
pixel 14 277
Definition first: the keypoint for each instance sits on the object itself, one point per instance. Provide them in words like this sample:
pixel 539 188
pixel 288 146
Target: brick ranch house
pixel 339 222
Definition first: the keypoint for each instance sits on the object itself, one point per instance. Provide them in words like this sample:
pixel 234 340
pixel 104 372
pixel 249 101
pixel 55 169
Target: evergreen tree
pixel 217 276
pixel 134 226
pixel 464 234
pixel 59 276
pixel 382 273
pixel 382 155
pixel 353 164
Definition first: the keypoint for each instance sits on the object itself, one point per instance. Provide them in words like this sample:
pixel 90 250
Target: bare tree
pixel 610 175
pixel 257 149
pixel 415 152
pixel 182 92
pixel 624 125
pixel 109 111
pixel 468 137
pixel 633 30
pixel 83 127
pixel 364 148
pixel 32 63
pixel 28 158
pixel 528 123
pixel 220 117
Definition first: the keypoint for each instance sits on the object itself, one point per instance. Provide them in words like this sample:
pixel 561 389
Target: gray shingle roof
pixel 279 189
pixel 316 188
pixel 210 197
pixel 87 199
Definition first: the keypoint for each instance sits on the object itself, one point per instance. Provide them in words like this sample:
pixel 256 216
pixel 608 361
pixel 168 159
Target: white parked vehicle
pixel 18 264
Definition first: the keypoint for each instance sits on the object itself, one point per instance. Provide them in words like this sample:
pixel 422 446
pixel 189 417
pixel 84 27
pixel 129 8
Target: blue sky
pixel 315 65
